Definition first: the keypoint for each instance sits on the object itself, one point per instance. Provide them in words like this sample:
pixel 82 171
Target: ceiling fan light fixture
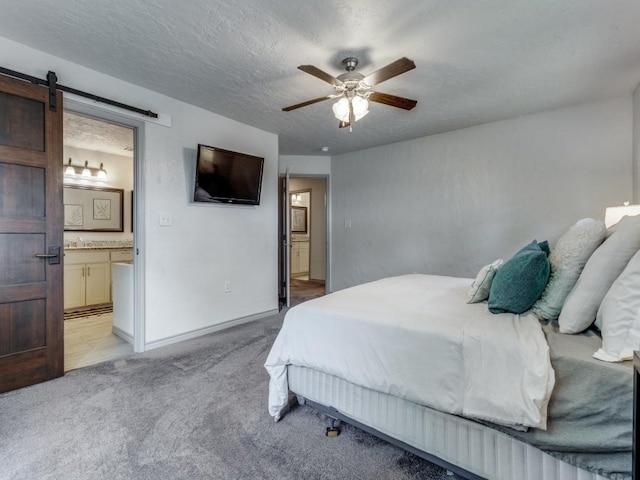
pixel 341 109
pixel 359 104
pixel 352 91
pixel 360 107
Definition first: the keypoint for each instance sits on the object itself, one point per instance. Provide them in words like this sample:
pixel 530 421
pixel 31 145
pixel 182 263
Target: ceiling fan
pixel 354 91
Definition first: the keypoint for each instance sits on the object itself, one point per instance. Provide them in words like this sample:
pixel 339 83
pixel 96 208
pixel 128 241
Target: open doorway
pixel 99 158
pixel 308 234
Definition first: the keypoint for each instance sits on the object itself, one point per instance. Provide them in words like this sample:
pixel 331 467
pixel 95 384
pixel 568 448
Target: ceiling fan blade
pixel 393 100
pixel 316 72
pixel 304 104
pixel 394 69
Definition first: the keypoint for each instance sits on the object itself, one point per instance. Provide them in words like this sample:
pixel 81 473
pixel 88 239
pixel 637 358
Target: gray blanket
pixel 591 409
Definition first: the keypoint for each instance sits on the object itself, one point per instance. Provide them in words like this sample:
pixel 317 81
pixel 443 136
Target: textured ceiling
pixel 92 134
pixel 476 61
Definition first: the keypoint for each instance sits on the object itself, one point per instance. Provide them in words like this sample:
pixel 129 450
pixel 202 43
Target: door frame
pixel 283 229
pixel 109 115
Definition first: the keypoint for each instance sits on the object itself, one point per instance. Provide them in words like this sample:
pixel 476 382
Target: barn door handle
pixel 53 256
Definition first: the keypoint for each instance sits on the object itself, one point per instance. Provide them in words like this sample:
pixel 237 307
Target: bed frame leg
pixel 301 400
pixel 333 430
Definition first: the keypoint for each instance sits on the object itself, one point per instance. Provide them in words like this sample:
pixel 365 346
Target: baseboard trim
pixel 205 331
pixel 122 334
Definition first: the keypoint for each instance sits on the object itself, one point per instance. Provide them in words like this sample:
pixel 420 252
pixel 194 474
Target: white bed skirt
pixel 474 447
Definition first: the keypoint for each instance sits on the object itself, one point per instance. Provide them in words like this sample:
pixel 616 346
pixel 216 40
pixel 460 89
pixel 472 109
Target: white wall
pixel 188 263
pixel 305 164
pixel 119 170
pixel 317 223
pixel 449 203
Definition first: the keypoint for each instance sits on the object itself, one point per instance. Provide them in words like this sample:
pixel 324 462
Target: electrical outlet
pixel 227 286
pixel 347 224
pixel 165 220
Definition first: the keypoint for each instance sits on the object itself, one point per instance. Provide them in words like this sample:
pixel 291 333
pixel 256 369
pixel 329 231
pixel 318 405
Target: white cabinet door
pixel 303 257
pixel 295 258
pixel 74 286
pixel 98 279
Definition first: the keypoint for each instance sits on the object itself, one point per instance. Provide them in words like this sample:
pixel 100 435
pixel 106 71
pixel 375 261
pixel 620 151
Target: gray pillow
pixel 567 259
pixel 480 287
pixel 618 316
pixel 602 269
pixel 520 282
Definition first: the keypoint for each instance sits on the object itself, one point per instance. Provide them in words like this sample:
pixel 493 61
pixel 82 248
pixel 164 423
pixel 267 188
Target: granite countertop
pixel 99 245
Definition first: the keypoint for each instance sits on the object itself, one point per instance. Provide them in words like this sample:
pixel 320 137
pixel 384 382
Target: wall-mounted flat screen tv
pixel 223 176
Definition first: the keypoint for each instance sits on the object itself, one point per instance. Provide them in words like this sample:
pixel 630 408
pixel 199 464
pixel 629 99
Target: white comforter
pixel 415 337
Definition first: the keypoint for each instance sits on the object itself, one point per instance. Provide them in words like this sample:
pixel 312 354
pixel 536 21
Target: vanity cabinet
pixel 299 257
pixel 87 284
pixel 74 286
pixel 87 276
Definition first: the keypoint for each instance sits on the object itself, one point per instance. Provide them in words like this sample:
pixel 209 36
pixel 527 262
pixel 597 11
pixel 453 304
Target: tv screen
pixel 227 177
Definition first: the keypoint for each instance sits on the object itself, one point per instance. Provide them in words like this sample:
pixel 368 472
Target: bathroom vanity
pixel 87 274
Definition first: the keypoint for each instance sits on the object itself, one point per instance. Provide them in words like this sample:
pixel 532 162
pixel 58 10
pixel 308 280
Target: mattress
pixel 588 415
pixel 590 418
pixel 415 337
pixel 476 448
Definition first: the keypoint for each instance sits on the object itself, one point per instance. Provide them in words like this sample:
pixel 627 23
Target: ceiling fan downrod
pixel 350 63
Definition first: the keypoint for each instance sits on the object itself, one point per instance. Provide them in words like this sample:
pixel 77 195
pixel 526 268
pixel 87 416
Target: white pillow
pixel 567 259
pixel 619 315
pixel 605 265
pixel 481 286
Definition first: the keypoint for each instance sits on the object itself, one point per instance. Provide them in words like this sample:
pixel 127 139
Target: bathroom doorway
pixel 308 238
pixel 99 200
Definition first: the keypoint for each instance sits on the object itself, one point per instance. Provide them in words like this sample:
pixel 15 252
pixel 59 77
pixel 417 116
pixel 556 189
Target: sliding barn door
pixel 31 312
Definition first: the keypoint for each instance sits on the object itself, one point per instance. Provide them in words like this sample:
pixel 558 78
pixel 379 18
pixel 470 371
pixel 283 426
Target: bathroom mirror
pixel 93 209
pixel 299 220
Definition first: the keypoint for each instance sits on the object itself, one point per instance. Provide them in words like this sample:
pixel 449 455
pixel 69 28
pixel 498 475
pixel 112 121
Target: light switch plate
pixel 165 220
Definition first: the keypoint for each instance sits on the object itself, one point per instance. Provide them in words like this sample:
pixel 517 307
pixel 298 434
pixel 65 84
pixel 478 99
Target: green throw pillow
pixel 521 280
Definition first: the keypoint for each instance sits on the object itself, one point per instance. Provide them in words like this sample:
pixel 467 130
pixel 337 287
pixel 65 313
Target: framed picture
pixel 298 219
pixel 132 210
pixel 73 215
pixel 102 209
pixel 93 209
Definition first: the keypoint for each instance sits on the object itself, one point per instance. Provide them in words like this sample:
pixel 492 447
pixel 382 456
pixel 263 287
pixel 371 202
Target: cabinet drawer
pixel 71 258
pixel 122 256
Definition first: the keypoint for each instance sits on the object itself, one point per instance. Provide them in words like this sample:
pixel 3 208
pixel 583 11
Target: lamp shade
pixel 360 107
pixel 85 171
pixel 341 109
pixel 614 214
pixel 102 174
pixel 69 170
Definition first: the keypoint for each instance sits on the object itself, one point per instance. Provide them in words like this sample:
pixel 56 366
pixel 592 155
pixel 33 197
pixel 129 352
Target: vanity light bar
pixel 85 172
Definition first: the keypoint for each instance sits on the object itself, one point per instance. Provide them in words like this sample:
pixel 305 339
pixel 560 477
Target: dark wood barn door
pixel 31 311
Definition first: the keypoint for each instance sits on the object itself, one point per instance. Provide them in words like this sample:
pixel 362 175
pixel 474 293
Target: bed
pixel 487 396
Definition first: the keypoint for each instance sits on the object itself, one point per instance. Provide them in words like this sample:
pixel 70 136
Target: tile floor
pixel 88 340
